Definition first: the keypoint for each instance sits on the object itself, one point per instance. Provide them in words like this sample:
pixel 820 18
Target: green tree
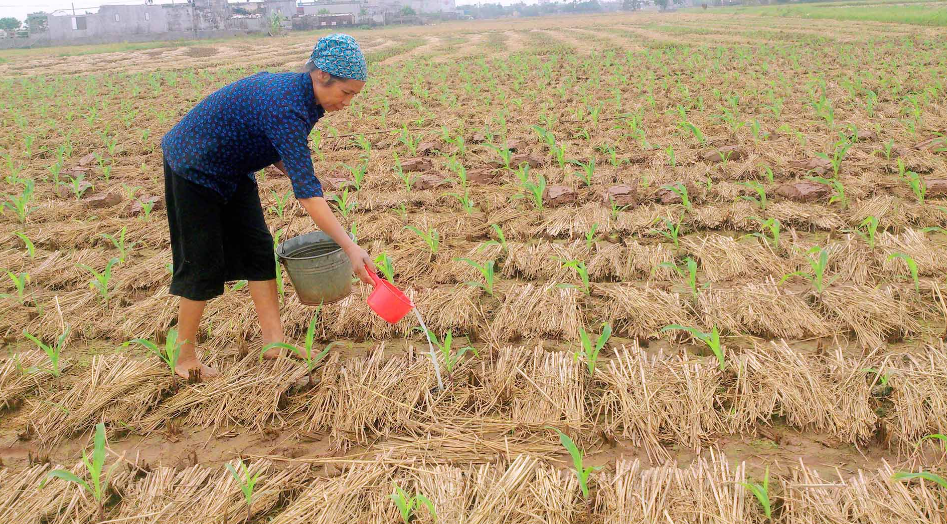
pixel 663 4
pixel 9 24
pixel 407 11
pixel 323 11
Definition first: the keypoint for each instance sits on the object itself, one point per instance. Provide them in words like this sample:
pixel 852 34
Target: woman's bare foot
pixel 185 367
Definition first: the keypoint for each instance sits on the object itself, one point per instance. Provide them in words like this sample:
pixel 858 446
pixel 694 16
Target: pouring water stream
pixel 437 366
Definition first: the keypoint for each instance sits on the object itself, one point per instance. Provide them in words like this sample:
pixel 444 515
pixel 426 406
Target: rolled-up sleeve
pixel 288 131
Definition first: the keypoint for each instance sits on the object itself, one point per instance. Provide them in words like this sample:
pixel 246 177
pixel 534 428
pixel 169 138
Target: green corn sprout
pixel 924 475
pixel 345 204
pixel 20 204
pixel 407 505
pixel 146 208
pixel 535 191
pixel 712 340
pixel 591 352
pixel 410 141
pixel 246 482
pixel 888 146
pixel 100 281
pixel 690 276
pixel 19 280
pixel 838 190
pixel 614 208
pixel 694 130
pixel 671 231
pixel 466 202
pixel 672 157
pixel 912 267
pixel 238 285
pixel 581 472
pixel 582 271
pixel 500 241
pixel 760 198
pixel 98 484
pixel 590 236
pixel 559 153
pixel 77 188
pixel 504 153
pixel 486 271
pixel 281 202
pixel 761 492
pixel 818 264
pixel 451 358
pixel 838 154
pixel 383 263
pixel 918 186
pixel 53 352
pixel 27 243
pixel 169 354
pixel 430 237
pixel 406 177
pixel 771 224
pixel 588 171
pixel 680 190
pixel 870 226
pixel 358 173
pixel 934 436
pixel 118 241
pixel 305 352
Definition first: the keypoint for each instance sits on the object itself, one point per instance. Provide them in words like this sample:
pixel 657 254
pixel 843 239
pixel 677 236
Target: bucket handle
pixel 376 280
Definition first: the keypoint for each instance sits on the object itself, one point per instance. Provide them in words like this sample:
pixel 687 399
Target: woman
pixel 218 233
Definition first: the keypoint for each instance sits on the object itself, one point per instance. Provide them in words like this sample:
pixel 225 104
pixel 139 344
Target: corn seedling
pixel 451 357
pixel 688 273
pixel 935 436
pixel 238 285
pixel 342 200
pixel 838 154
pixel 924 475
pixel 486 271
pixel 305 352
pixel 98 484
pixel 838 190
pixel 383 263
pixel 912 267
pixel 918 186
pixel 406 177
pixel 760 198
pixel 866 230
pixel 818 265
pixel 430 237
pixel 246 482
pixel 770 224
pixel 20 204
pixel 671 231
pixel 100 280
pixel 614 208
pixel 591 351
pixel 466 203
pixel 587 173
pixel 583 273
pixel 77 186
pixel 168 354
pixel 535 191
pixel 504 153
pixel 146 207
pixel 53 352
pixel 590 236
pixel 27 243
pixel 693 130
pixel 712 340
pixel 19 280
pixel 118 241
pixel 358 173
pixel 761 492
pixel 407 505
pixel 281 202
pixel 410 141
pixel 500 241
pixel 581 472
pixel 680 190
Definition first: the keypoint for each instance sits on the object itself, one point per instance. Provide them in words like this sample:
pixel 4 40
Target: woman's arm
pixel 325 220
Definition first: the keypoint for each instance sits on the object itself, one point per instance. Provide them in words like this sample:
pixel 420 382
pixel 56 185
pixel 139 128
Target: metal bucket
pixel 318 268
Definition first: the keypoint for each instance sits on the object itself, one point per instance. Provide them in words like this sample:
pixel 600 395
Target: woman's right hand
pixel 360 259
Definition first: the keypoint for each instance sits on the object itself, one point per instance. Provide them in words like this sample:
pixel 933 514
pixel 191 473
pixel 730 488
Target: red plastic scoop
pixel 388 301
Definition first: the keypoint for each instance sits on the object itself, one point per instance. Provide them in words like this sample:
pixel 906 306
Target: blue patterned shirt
pixel 244 127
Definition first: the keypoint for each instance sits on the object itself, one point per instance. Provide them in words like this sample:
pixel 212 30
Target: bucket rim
pixel 282 247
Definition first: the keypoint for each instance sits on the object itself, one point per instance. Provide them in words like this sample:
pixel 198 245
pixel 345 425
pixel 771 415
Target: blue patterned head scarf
pixel 339 55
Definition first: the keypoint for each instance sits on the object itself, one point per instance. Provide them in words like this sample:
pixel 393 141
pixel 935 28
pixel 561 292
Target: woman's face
pixel 335 95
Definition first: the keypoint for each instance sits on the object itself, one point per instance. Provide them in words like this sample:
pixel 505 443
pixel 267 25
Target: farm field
pixel 709 249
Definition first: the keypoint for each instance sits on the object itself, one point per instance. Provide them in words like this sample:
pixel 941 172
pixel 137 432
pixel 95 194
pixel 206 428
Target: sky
pixel 20 8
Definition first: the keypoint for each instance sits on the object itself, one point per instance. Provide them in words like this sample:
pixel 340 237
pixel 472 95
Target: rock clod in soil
pixel 812 166
pixel 484 176
pixel 427 148
pixel 938 143
pixel 428 182
pixel 936 186
pixel 728 153
pixel 803 191
pixel 103 200
pixel 559 196
pixel 416 164
pixel 68 191
pixel 621 195
pixel 136 208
